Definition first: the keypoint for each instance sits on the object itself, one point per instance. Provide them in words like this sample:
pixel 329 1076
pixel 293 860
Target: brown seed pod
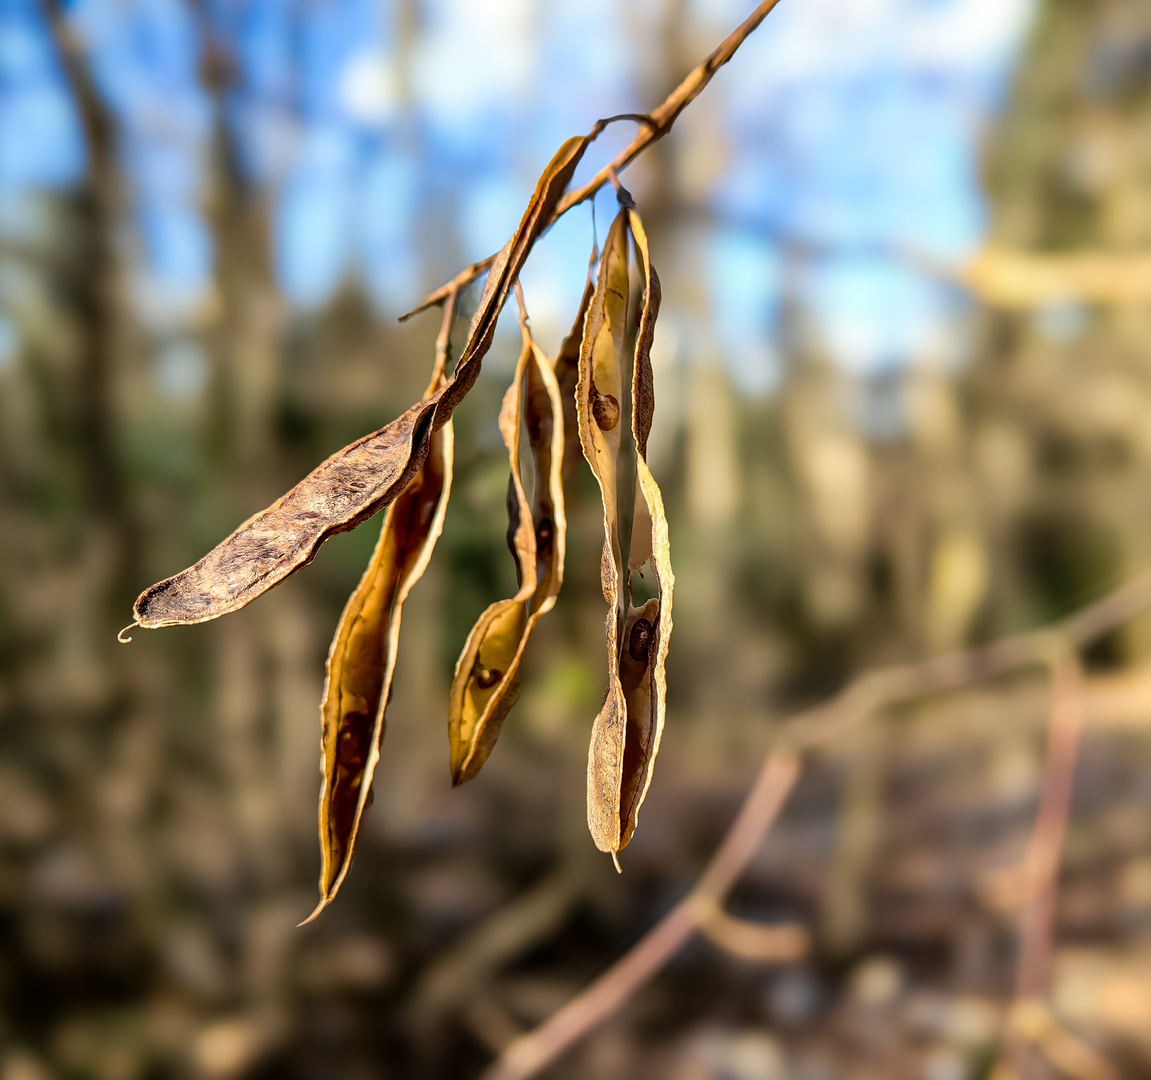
pixel 603 354
pixel 337 495
pixel 626 733
pixel 362 659
pixel 646 702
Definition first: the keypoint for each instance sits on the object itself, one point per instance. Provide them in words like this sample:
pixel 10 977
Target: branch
pixel 663 116
pixel 1041 865
pixel 784 943
pixel 1033 1021
pixel 652 128
pixel 1033 648
pixel 868 693
pixel 1022 280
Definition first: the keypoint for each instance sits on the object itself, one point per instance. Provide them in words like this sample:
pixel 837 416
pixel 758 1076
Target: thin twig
pixel 666 114
pixel 1033 1021
pixel 779 944
pixel 525 319
pixel 902 682
pixel 1002 278
pixel 868 693
pixel 1041 863
pixel 1023 280
pixel 653 127
pixel 444 343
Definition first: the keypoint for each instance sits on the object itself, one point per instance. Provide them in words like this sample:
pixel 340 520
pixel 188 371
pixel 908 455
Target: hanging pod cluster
pixel 596 401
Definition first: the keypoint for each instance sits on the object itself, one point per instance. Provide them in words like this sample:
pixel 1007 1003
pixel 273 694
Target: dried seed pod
pixel 646 703
pixel 344 491
pixel 637 678
pixel 362 658
pixel 486 681
pixel 626 733
pixel 602 357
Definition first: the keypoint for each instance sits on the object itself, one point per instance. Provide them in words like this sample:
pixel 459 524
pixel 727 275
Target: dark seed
pixel 487 677
pixel 640 641
pixel 544 531
pixel 605 410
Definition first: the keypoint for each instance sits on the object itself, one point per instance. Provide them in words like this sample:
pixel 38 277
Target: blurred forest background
pixel 903 389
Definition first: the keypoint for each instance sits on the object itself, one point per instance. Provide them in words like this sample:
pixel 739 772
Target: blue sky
pixel 848 129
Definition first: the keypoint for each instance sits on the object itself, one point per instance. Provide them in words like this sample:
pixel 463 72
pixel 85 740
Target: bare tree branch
pixel 1040 871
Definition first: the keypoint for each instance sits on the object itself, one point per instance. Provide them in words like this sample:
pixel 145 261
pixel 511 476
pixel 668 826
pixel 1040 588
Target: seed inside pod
pixel 487 677
pixel 605 410
pixel 639 643
pixel 544 532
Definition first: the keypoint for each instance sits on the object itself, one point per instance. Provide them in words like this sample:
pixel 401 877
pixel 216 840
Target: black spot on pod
pixel 639 643
pixel 605 410
pixel 487 677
